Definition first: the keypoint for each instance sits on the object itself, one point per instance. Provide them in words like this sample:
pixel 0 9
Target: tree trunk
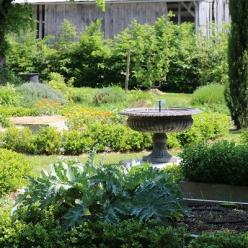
pixel 127 69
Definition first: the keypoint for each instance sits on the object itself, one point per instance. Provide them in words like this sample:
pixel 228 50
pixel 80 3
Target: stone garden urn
pixel 30 77
pixel 159 122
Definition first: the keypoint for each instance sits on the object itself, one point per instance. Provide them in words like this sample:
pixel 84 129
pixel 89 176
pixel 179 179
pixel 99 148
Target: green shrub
pixel 131 234
pixel 57 81
pixel 4 121
pixel 28 54
pixel 106 136
pixel 88 58
pixel 161 54
pixel 118 138
pixel 244 137
pixel 79 117
pixel 151 48
pixel 183 74
pixel 220 240
pixel 47 141
pixel 81 95
pixel 138 98
pixel 9 96
pixel 209 95
pixel 18 234
pixel 172 141
pixel 75 142
pixel 109 95
pixel 212 56
pixel 19 140
pixel 13 169
pixel 207 126
pixel 22 53
pixel 8 76
pixel 33 92
pixel 222 162
pixel 86 193
pixel 9 111
pixel 48 234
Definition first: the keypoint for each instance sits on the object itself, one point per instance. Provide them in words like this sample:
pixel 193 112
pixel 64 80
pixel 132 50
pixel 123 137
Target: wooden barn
pixel 50 14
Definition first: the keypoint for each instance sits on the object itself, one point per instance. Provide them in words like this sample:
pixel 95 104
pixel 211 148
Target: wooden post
pixel 179 17
pixel 127 69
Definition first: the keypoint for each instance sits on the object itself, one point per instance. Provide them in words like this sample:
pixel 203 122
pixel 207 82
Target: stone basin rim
pixel 152 112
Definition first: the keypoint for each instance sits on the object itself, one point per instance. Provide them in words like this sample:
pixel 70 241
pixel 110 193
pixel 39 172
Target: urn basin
pixel 159 122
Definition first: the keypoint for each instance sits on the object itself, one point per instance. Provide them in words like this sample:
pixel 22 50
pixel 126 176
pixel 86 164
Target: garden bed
pixel 216 217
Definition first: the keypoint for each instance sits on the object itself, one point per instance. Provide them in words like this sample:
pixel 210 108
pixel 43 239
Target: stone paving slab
pixel 37 122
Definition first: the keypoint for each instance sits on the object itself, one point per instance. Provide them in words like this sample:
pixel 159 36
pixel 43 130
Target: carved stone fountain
pixel 159 122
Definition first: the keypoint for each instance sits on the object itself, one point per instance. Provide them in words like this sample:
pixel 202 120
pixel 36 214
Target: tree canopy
pixel 13 17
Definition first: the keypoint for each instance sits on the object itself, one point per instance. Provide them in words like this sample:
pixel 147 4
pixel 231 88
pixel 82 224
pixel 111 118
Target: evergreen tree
pixel 237 90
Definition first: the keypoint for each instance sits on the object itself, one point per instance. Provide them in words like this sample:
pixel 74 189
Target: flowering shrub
pixel 47 106
pixel 79 118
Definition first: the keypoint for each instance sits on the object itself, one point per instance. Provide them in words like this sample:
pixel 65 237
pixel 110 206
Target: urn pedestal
pixel 159 122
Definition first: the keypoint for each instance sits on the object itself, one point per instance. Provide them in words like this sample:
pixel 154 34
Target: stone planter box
pixel 30 77
pixel 214 192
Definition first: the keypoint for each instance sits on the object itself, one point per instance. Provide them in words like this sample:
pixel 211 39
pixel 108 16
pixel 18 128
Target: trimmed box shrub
pixel 223 162
pixel 13 169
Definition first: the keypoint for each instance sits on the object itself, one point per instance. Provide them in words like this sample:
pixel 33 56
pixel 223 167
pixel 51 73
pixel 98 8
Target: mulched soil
pixel 212 217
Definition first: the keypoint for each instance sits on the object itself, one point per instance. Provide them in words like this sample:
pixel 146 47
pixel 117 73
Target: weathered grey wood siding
pixel 116 17
pixel 212 11
pixel 119 15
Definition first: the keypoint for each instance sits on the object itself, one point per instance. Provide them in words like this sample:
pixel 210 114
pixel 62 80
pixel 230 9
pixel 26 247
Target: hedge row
pixel 49 141
pixel 130 234
pixel 106 137
pixel 223 162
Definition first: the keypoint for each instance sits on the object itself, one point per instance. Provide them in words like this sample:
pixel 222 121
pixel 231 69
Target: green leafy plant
pixel 244 137
pixel 13 169
pixel 212 56
pixel 220 240
pixel 10 111
pixel 4 121
pixel 183 74
pixel 9 96
pixel 210 96
pixel 88 58
pixel 87 193
pixel 33 92
pixel 47 141
pixel 49 234
pixel 8 76
pixel 19 140
pixel 222 162
pixel 151 49
pixel 206 126
pixel 75 142
pixel 109 95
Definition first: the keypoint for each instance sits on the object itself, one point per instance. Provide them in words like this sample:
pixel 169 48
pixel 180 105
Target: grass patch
pixel 40 162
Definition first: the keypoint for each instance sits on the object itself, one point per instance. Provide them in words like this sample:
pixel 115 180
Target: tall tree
pixel 13 17
pixel 237 90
